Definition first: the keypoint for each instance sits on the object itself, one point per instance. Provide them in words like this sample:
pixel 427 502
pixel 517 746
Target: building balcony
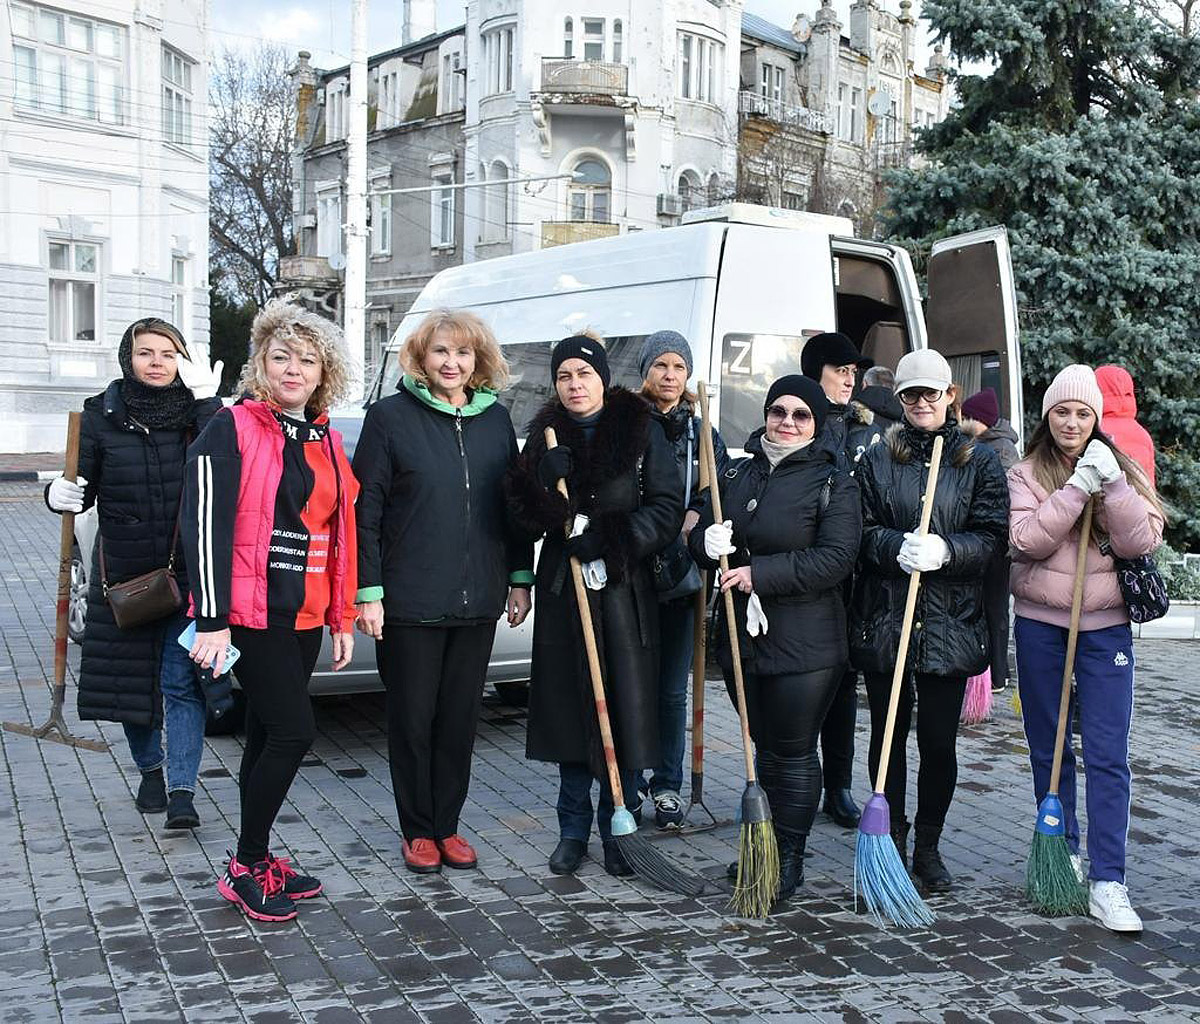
pixel 753 104
pixel 302 270
pixel 564 232
pixel 585 78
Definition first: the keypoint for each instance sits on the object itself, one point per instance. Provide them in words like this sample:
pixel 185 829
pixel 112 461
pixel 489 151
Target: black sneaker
pixel 668 810
pixel 152 793
pixel 258 891
pixel 295 885
pixel 181 811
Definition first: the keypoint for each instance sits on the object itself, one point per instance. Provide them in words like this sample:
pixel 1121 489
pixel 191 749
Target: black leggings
pixel 939 703
pixel 274 670
pixel 786 712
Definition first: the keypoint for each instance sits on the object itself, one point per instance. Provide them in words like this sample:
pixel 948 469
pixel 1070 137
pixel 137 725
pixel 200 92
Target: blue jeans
pixel 184 715
pixel 1104 690
pixel 575 801
pixel 674 667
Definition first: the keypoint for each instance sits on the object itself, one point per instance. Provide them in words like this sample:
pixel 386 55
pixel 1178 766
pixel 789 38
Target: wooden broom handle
pixel 910 611
pixel 1064 701
pixel 714 492
pixel 593 655
pixel 66 541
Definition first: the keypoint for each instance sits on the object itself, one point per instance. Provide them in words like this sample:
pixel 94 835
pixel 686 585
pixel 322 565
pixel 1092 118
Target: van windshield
pixel 749 365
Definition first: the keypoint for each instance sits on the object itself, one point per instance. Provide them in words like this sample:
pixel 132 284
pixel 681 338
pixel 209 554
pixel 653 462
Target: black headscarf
pixel 159 408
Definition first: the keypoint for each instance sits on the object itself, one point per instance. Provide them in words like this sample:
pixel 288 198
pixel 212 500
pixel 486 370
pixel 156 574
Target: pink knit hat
pixel 1075 383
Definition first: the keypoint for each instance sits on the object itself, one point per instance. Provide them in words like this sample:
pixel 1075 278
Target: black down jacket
pixel 626 480
pixel 136 477
pixel 681 425
pixel 970 513
pixel 798 529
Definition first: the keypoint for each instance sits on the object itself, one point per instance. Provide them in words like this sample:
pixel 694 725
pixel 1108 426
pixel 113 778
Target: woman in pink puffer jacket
pixel 1069 460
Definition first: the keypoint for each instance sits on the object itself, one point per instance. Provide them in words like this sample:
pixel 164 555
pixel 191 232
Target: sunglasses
pixel 911 396
pixel 798 416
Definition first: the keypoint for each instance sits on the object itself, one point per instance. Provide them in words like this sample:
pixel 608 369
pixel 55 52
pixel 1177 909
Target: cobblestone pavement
pixel 104 916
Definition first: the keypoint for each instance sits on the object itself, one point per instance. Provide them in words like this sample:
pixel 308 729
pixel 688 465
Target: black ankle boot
pixel 181 810
pixel 567 856
pixel 152 793
pixel 791 863
pixel 840 806
pixel 900 838
pixel 928 868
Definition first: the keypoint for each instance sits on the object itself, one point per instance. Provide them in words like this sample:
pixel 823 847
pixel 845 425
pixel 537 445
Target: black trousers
pixel 274 670
pixel 837 733
pixel 434 678
pixel 995 608
pixel 785 713
pixel 939 704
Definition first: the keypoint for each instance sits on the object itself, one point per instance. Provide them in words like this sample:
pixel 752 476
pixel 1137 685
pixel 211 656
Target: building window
pixel 381 215
pixel 593 39
pixel 793 200
pixel 569 39
pixel 379 339
pixel 74 272
pixel 699 67
pixel 892 129
pixel 451 91
pixel 714 189
pixel 66 64
pixel 855 113
pixel 329 219
pixel 335 111
pixel 590 192
pixel 441 233
pixel 498 60
pixel 691 192
pixel 618 42
pixel 771 84
pixel 495 225
pixel 849 112
pixel 386 115
pixel 177 98
pixel 179 293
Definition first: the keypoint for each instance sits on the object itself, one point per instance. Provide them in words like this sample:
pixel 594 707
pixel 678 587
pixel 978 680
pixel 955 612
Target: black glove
pixel 554 466
pixel 218 691
pixel 587 547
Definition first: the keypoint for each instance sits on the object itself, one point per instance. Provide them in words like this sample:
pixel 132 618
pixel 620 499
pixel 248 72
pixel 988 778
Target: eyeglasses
pixel 798 416
pixel 911 396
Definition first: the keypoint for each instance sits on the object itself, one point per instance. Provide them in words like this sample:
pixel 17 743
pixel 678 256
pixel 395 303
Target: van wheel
pixel 77 597
pixel 513 692
pixel 232 722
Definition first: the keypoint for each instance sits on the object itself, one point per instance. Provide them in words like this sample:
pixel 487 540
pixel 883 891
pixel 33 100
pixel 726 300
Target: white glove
pixel 756 618
pixel 65 495
pixel 198 377
pixel 1099 456
pixel 595 574
pixel 718 540
pixel 1086 478
pixel 923 554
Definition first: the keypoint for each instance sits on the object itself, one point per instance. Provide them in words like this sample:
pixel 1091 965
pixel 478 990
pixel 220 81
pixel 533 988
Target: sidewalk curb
pixel 27 476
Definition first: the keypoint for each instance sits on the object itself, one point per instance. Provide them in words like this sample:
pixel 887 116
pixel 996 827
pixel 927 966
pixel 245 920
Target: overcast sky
pixel 323 26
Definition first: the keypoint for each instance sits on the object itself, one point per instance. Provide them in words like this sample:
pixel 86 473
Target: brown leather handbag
pixel 146 598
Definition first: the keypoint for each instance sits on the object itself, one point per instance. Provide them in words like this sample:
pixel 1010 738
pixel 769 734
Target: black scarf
pixel 157 408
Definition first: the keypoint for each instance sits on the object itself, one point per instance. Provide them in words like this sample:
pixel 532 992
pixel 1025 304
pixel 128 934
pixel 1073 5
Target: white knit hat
pixel 1074 383
pixel 923 368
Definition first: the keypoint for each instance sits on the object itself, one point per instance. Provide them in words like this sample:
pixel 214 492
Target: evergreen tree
pixel 229 331
pixel 1085 141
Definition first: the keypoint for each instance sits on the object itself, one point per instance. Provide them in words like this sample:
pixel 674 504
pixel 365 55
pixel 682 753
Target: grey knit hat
pixel 664 341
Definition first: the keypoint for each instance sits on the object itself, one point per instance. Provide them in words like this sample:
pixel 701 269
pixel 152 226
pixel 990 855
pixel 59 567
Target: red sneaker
pixel 421 856
pixel 295 885
pixel 257 891
pixel 457 852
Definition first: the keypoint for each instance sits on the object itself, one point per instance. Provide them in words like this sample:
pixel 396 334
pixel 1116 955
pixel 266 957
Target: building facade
pixel 103 195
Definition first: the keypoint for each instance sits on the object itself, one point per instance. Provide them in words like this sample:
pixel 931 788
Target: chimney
pixel 862 25
pixel 420 20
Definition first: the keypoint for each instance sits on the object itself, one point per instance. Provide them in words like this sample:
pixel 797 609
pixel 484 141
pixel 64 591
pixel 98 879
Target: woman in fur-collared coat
pixel 621 474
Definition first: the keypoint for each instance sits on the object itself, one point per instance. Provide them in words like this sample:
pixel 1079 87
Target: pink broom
pixel 977 703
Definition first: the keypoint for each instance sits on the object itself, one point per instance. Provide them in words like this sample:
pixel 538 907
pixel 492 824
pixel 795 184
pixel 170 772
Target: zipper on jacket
pixel 462 451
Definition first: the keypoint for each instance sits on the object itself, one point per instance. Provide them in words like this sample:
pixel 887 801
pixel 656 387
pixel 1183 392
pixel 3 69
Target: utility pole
pixel 354 317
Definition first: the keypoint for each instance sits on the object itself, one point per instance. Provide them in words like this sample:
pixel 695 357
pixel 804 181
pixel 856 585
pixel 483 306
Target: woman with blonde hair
pixel 269 533
pixel 1070 461
pixel 438 565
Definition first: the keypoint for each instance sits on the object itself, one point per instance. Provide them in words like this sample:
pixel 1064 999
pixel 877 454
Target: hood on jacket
pixel 1003 429
pixel 875 401
pixel 1116 385
pixel 481 398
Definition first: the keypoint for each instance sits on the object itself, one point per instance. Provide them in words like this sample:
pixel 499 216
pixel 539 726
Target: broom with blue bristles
pixel 879 875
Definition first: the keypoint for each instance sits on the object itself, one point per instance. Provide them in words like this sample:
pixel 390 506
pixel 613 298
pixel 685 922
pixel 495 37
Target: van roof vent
pixel 771 217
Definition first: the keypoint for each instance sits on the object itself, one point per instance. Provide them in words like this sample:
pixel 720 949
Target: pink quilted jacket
pixel 1043 530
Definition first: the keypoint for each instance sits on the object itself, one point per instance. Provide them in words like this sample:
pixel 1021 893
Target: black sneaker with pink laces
pixel 295 885
pixel 257 890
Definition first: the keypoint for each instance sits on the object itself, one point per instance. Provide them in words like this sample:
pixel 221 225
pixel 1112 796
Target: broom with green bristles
pixel 1051 884
pixel 757 882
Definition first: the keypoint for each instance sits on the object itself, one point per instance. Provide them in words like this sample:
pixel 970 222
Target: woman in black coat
pixel 437 566
pixel 132 447
pixel 949 637
pixel 621 474
pixel 792 536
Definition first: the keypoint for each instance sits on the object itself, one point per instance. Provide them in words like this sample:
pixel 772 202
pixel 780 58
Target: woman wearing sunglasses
pixel 791 538
pixel 949 635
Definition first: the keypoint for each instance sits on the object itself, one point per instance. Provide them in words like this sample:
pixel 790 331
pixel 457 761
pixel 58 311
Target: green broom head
pixel 757 883
pixel 1051 884
pixel 879 875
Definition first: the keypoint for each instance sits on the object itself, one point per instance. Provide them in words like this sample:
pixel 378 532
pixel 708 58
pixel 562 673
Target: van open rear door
pixel 971 316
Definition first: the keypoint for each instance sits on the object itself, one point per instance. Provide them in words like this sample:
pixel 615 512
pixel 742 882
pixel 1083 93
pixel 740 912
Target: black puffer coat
pixel 635 522
pixel 799 554
pixel 680 424
pixel 970 513
pixel 136 477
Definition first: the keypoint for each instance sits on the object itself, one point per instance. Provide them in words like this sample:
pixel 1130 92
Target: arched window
pixel 496 227
pixel 568 39
pixel 714 189
pixel 590 191
pixel 617 41
pixel 691 193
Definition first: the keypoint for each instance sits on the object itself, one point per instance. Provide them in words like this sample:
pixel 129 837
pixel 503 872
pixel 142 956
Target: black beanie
pixel 808 391
pixel 580 346
pixel 830 349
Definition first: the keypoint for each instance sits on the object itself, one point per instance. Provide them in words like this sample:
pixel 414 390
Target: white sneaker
pixel 1108 902
pixel 1077 867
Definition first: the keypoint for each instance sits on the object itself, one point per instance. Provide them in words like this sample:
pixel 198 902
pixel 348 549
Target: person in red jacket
pixel 1120 418
pixel 269 535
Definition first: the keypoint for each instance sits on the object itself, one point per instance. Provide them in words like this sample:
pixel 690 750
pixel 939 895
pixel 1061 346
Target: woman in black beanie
pixel 621 475
pixel 792 538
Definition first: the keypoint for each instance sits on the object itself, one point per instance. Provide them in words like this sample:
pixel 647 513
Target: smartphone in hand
pixel 188 637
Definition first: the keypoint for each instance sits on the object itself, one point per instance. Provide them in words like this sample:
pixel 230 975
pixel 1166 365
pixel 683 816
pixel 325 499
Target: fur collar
pixel 907 443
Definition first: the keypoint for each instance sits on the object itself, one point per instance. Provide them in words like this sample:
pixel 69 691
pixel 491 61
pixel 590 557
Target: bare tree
pixel 253 121
pixel 1182 15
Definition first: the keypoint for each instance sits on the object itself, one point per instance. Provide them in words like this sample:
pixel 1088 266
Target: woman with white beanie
pixel 1068 460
